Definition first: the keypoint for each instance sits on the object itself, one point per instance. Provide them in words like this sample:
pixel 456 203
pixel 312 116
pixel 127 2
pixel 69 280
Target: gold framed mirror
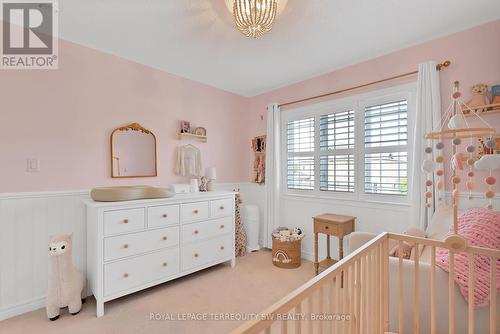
pixel 133 152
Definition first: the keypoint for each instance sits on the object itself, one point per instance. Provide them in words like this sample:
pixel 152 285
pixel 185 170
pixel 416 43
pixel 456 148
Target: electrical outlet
pixel 33 165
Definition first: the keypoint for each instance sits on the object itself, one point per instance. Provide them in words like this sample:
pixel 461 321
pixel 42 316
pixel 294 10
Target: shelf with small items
pixel 489 109
pixel 195 133
pixel 187 135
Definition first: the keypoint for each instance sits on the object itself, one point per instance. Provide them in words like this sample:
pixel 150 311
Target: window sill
pixel 354 202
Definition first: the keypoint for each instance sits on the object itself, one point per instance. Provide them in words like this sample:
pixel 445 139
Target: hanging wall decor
pixel 259 165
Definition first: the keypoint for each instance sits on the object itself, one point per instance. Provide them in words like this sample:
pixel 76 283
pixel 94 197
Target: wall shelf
pixel 486 106
pixel 181 136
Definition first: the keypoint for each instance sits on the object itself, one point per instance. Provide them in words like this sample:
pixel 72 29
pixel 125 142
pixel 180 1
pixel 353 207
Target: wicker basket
pixel 286 254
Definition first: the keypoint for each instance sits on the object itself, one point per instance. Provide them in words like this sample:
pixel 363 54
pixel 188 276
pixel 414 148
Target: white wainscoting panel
pixel 26 222
pixel 28 219
pixel 297 211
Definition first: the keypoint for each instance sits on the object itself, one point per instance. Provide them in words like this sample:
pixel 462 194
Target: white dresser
pixel 137 244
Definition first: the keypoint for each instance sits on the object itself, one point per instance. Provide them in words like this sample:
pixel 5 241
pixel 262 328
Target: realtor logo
pixel 29 34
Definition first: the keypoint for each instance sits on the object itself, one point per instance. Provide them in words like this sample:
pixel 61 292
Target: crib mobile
pixel 459 132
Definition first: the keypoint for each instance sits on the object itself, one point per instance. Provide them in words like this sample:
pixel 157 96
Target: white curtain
pixel 427 119
pixel 272 171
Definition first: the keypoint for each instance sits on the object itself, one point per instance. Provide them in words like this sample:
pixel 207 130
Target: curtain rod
pixel 439 67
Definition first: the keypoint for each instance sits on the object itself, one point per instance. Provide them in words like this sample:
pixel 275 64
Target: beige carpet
pixel 250 287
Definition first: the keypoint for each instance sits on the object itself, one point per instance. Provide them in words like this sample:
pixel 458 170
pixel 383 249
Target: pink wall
pixel 64 118
pixel 474 53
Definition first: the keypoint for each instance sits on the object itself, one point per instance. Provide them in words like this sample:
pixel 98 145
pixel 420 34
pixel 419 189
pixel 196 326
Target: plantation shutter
pixel 300 147
pixel 386 148
pixel 337 151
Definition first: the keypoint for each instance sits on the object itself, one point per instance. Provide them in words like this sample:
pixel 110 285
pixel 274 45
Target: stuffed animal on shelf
pixel 495 96
pixel 479 98
pixel 66 285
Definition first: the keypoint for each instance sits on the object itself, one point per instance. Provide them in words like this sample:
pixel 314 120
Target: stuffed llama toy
pixel 66 283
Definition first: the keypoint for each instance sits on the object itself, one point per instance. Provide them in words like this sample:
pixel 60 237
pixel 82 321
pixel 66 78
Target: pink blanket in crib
pixel 481 227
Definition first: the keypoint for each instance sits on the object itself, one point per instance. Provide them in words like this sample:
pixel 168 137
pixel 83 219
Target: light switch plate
pixel 33 165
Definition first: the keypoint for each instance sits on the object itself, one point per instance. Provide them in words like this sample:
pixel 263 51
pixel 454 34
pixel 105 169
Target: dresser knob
pixel 221 247
pixel 195 211
pixel 196 232
pixel 164 215
pixel 125 275
pixel 222 207
pixel 125 246
pixel 164 238
pixel 125 221
pixel 195 254
pixel 326 227
pixel 164 264
pixel 222 226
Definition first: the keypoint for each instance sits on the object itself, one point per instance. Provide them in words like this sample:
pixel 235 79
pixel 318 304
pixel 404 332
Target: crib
pixel 353 295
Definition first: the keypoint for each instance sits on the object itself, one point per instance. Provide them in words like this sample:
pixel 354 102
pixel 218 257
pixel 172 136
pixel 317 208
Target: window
pixel 337 173
pixel 336 143
pixel 337 130
pixel 386 173
pixel 356 148
pixel 301 173
pixel 301 135
pixel 386 139
pixel 300 147
pixel 386 124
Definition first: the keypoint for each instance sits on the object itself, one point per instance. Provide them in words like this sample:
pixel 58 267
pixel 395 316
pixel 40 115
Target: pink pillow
pixel 481 227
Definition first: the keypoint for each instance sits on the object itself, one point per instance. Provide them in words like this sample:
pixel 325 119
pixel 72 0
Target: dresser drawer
pixel 121 221
pixel 208 251
pixel 194 211
pixel 129 273
pixel 164 215
pixel 221 208
pixel 206 229
pixel 140 242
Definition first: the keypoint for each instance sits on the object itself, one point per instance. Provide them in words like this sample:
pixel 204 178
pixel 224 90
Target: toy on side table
pixel 66 283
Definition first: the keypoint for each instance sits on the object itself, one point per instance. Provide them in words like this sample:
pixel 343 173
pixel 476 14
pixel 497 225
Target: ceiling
pixel 196 39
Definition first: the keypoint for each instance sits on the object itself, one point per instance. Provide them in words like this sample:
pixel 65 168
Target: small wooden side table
pixel 331 225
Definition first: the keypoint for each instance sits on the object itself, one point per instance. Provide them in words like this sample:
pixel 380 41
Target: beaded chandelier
pixel 254 18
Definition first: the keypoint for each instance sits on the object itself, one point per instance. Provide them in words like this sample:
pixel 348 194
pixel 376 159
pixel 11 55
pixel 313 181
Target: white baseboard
pixel 307 256
pixel 27 306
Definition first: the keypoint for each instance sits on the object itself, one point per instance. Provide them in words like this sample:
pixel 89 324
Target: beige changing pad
pixel 128 193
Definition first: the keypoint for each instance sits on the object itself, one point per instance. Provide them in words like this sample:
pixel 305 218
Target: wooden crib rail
pixel 439 243
pixel 471 251
pixel 358 286
pixel 355 286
